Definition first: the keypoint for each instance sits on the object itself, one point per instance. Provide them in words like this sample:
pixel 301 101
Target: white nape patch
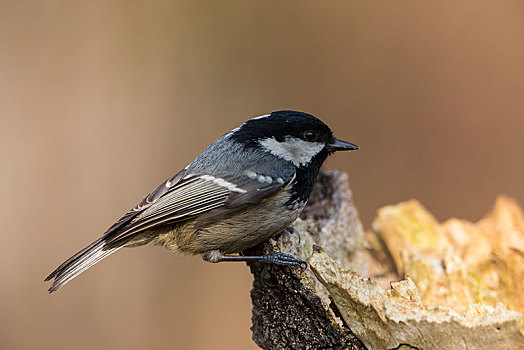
pixel 221 182
pixel 261 116
pixel 240 126
pixel 234 130
pixel 292 149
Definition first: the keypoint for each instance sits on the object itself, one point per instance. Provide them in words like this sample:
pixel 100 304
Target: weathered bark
pixel 464 289
pixel 290 307
pixel 287 315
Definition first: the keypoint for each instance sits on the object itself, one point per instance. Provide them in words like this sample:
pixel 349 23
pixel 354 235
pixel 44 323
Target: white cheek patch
pixel 297 151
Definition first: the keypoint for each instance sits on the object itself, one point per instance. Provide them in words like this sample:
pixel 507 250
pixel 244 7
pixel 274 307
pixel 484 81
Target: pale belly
pixel 232 234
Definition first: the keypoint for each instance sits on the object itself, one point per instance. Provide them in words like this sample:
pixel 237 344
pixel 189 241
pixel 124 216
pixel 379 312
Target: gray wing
pixel 197 196
pixel 179 198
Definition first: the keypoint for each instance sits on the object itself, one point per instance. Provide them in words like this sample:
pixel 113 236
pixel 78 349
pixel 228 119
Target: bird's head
pixel 294 136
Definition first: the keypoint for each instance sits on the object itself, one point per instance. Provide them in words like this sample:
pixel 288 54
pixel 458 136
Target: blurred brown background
pixel 102 100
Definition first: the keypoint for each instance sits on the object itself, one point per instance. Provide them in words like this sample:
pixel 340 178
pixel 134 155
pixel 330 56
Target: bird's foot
pixel 280 258
pixel 277 258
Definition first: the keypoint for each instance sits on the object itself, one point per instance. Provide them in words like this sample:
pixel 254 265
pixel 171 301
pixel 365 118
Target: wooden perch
pixel 290 307
pixel 464 289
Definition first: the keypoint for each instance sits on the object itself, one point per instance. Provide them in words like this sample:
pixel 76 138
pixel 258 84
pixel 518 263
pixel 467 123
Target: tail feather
pixel 71 260
pixel 91 254
pixel 80 262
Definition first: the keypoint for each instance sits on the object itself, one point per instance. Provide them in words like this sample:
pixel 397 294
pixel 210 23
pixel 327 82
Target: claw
pixel 288 230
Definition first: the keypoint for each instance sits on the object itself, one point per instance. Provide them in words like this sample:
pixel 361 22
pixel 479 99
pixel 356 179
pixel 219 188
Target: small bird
pixel 246 187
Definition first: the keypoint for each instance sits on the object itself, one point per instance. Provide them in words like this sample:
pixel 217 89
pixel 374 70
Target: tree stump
pixel 291 309
pixel 456 298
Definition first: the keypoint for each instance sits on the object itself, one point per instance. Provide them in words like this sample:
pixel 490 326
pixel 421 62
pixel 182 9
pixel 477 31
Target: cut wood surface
pixel 411 282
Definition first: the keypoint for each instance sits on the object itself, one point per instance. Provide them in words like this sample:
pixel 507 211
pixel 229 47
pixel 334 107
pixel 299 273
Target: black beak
pixel 339 145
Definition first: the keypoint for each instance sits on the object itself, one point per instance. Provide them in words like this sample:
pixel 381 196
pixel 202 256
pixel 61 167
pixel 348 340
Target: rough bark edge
pixel 288 312
pixel 287 315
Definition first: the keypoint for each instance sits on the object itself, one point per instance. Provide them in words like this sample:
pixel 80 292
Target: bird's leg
pixel 278 258
pixel 289 230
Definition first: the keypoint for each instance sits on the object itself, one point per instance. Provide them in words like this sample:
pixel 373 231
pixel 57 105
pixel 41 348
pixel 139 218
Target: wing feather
pixel 190 197
pixel 179 198
pixel 199 196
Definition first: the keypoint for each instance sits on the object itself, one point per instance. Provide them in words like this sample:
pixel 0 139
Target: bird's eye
pixel 310 135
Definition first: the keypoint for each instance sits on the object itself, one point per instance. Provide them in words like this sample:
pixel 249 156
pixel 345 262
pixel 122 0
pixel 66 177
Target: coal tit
pixel 246 187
